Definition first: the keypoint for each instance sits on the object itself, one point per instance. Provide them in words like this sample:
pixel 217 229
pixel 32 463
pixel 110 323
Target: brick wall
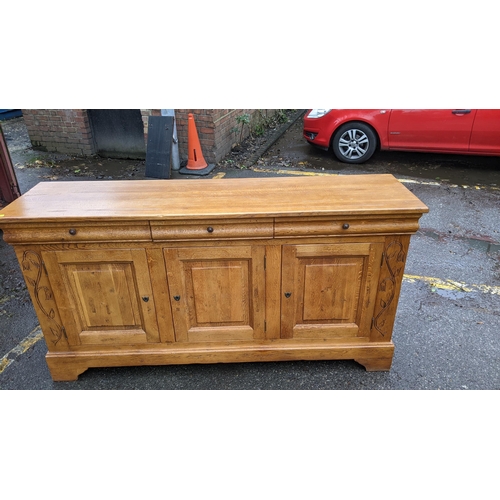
pixel 227 129
pixel 69 131
pixel 218 130
pixel 60 130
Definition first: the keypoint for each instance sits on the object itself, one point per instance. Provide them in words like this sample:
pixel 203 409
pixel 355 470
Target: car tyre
pixel 354 142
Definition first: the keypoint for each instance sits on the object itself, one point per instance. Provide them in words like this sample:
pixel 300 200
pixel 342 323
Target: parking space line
pixel 451 285
pixel 31 339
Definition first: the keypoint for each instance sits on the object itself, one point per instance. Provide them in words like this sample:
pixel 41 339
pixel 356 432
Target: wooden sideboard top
pixel 209 198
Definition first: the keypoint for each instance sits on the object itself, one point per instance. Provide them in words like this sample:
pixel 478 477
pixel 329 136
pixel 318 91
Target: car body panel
pixel 455 131
pixel 430 129
pixel 485 138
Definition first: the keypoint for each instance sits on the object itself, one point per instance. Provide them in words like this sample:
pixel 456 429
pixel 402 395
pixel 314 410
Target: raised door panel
pixel 217 294
pixel 103 297
pixel 329 289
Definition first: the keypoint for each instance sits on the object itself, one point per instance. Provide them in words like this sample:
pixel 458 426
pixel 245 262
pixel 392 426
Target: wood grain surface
pixel 229 198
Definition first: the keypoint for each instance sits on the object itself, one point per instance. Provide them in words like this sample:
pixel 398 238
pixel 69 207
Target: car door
pixel 431 129
pixel 485 136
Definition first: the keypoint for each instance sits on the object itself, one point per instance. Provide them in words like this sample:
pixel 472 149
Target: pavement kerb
pixel 279 132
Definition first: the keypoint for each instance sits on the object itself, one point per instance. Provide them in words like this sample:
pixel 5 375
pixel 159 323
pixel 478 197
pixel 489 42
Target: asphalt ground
pixel 447 325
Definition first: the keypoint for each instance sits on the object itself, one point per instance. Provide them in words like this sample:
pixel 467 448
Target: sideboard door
pixel 217 293
pixel 103 296
pixel 328 290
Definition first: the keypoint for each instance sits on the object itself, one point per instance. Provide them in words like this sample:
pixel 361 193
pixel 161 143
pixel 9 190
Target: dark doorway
pixel 9 187
pixel 118 133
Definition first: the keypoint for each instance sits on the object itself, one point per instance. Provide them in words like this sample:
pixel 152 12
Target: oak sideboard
pixel 160 272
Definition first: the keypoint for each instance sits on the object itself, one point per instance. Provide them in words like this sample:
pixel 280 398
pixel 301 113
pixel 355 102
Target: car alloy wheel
pixel 354 143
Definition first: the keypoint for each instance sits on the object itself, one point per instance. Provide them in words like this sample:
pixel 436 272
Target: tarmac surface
pixel 447 330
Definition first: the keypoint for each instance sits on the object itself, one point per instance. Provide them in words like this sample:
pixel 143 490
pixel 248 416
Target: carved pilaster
pixel 42 297
pixel 391 275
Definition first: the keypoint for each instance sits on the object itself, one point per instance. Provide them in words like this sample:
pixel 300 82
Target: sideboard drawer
pixel 212 230
pixel 77 233
pixel 343 227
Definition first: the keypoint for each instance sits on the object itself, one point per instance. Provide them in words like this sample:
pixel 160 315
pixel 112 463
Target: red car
pixel 355 134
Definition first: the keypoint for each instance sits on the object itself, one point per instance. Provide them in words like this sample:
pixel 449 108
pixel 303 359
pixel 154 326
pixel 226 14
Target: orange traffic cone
pixel 196 162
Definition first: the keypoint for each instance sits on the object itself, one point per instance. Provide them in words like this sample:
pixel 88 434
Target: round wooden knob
pixel 72 232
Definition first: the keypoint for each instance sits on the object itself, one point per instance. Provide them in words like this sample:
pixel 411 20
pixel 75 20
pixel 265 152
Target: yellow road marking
pixel 404 181
pixel 220 175
pixel 423 183
pixel 451 285
pixel 434 183
pixel 32 338
pixel 289 172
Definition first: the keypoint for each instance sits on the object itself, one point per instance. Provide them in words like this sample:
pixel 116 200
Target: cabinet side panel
pixel 42 296
pixel 389 287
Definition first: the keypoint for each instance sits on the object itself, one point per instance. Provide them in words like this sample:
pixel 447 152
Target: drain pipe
pixel 176 165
